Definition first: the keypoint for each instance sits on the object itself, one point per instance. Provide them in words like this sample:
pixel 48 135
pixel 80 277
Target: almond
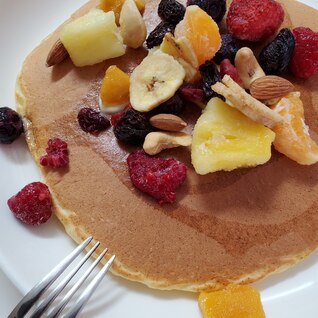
pixel 57 54
pixel 269 87
pixel 168 122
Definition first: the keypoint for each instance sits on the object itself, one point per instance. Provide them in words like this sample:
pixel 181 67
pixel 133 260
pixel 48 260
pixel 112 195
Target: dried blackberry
pixel 11 125
pixel 156 36
pixel 215 8
pixel 227 50
pixel 275 57
pixel 174 106
pixel 210 75
pixel 92 121
pixel 171 11
pixel 132 127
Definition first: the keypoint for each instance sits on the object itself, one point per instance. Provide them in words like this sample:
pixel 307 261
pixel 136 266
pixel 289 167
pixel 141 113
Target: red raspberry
pixel 254 20
pixel 57 154
pixel 226 67
pixel 155 176
pixel 32 205
pixel 304 62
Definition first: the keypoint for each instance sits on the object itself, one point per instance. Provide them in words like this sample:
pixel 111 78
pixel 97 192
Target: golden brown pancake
pixel 225 227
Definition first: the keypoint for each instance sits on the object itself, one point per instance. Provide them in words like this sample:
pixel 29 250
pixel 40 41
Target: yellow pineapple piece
pixel 226 139
pixel 92 38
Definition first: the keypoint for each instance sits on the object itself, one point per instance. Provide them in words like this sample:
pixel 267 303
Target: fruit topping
pixel 226 139
pixel 171 11
pixel 214 8
pixel 156 176
pixel 32 205
pixel 56 154
pixel 292 136
pixel 11 125
pixel 92 38
pixel 168 122
pixel 304 62
pixel 114 91
pixel 201 31
pixel 275 57
pixel 156 36
pixel 254 20
pixel 245 103
pixel 194 94
pixel 92 121
pixel 228 49
pixel 173 105
pixel 132 25
pixel 226 67
pixel 115 117
pixel 132 127
pixel 155 80
pixel 234 301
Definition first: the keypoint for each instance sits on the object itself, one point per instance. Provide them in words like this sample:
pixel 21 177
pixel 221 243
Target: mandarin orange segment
pixel 235 301
pixel 292 135
pixel 201 31
pixel 114 91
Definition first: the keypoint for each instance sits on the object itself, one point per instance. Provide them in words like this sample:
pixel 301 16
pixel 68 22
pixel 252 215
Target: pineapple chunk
pixel 225 139
pixel 92 38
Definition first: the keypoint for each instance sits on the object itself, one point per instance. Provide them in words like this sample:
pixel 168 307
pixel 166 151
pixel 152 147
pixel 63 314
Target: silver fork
pixel 30 300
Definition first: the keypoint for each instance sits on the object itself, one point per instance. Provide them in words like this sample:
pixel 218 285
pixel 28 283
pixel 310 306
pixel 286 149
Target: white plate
pixel 27 253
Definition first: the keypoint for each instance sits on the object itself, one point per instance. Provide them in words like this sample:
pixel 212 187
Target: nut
pixel 271 86
pixel 57 54
pixel 157 141
pixel 168 122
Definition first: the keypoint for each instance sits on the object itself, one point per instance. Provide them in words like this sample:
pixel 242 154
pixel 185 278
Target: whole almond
pixel 269 87
pixel 167 122
pixel 57 54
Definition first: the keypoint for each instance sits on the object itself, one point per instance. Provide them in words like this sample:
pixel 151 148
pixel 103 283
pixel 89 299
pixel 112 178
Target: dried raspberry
pixel 215 8
pixel 171 11
pixel 194 94
pixel 304 62
pixel 11 126
pixel 226 67
pixel 227 50
pixel 32 205
pixel 92 121
pixel 158 177
pixel 57 154
pixel 254 20
pixel 157 34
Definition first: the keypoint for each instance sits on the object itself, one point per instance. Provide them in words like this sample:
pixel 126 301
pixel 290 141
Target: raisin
pixel 92 121
pixel 156 36
pixel 11 125
pixel 215 8
pixel 174 106
pixel 171 11
pixel 227 50
pixel 275 57
pixel 56 154
pixel 132 127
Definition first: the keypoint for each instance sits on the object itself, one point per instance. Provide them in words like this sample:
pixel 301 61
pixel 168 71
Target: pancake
pixel 225 227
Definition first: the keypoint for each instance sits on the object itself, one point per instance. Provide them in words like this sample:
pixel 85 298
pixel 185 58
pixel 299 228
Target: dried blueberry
pixel 174 106
pixel 215 8
pixel 227 50
pixel 171 11
pixel 11 125
pixel 156 36
pixel 92 121
pixel 132 127
pixel 275 57
pixel 210 75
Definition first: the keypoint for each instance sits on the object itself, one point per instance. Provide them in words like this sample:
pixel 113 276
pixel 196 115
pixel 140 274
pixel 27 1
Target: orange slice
pixel 235 301
pixel 292 135
pixel 114 91
pixel 201 31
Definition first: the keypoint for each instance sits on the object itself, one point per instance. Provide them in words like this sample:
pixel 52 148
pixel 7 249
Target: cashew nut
pixel 157 141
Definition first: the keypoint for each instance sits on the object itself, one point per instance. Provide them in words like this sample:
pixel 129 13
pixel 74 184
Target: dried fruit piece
pixel 115 117
pixel 56 154
pixel 254 20
pixel 214 8
pixel 226 67
pixel 92 121
pixel 155 176
pixel 11 125
pixel 173 105
pixel 171 11
pixel 275 56
pixel 156 36
pixel 304 62
pixel 228 49
pixel 32 205
pixel 194 94
pixel 292 135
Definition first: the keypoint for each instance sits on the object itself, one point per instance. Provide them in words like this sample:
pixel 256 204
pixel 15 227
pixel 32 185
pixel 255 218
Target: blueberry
pixel 11 125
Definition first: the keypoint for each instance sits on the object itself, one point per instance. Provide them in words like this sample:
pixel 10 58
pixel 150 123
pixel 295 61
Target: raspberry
pixel 157 34
pixel 226 67
pixel 32 205
pixel 56 154
pixel 254 20
pixel 11 126
pixel 304 62
pixel 215 8
pixel 227 50
pixel 171 11
pixel 155 176
pixel 92 121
